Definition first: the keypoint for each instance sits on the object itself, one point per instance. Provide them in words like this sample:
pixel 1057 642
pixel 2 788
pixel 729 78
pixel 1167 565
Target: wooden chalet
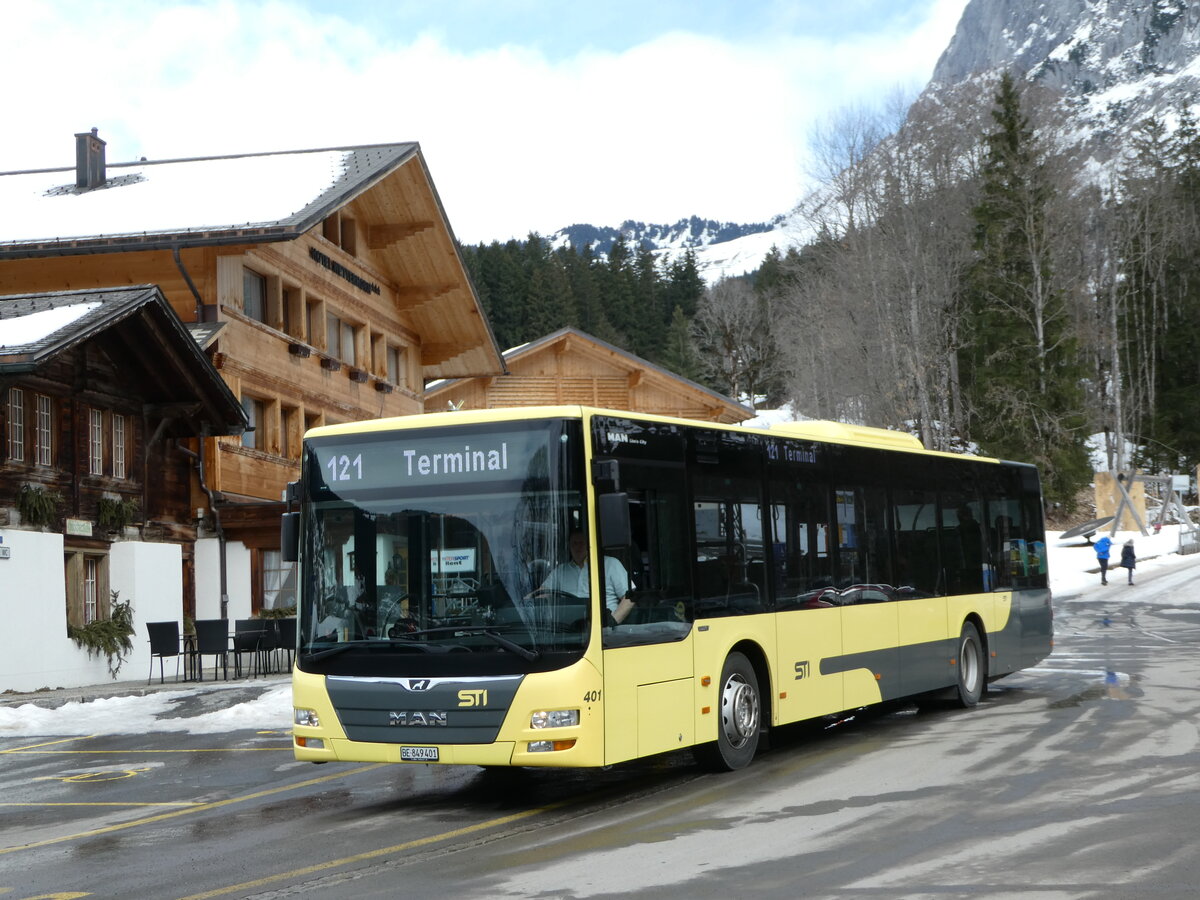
pixel 569 367
pixel 324 285
pixel 97 386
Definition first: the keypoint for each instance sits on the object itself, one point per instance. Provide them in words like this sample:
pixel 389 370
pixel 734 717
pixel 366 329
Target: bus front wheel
pixel 740 725
pixel 972 674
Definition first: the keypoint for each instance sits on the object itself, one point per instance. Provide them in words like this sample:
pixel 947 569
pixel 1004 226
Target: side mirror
pixel 613 513
pixel 606 475
pixel 289 537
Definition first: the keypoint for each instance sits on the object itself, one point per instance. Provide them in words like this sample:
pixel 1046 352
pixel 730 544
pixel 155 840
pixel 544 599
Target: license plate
pixel 419 754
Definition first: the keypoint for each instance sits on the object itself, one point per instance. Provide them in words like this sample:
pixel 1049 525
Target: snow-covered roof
pixel 266 196
pixel 169 368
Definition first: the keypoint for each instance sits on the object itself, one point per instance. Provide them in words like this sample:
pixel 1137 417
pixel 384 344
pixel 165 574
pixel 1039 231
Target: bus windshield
pixel 423 546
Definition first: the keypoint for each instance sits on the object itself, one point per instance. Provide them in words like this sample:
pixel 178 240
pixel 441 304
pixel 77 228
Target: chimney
pixel 89 159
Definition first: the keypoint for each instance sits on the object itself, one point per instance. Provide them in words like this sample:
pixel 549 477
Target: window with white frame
pixel 95 442
pixel 91 589
pixel 86 577
pixel 279 581
pixel 43 434
pixel 118 446
pixel 15 413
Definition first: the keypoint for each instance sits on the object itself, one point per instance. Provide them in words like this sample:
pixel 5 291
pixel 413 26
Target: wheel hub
pixel 739 711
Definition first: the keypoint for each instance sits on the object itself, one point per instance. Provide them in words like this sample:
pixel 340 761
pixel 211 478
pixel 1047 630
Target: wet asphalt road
pixel 1074 780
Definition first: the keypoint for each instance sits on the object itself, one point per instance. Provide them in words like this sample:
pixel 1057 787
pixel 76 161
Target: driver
pixel 571 577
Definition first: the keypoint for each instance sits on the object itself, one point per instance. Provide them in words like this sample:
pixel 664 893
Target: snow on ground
pixel 1074 577
pixel 1074 572
pixel 159 711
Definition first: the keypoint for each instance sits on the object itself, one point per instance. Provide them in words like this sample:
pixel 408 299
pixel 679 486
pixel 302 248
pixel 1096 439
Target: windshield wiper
pixel 375 642
pixel 511 646
pixel 332 651
pixel 498 639
pixel 406 639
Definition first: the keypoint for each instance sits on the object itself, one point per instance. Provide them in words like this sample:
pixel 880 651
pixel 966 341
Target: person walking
pixel 1129 558
pixel 1103 548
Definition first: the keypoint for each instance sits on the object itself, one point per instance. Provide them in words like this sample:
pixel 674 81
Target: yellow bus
pixel 449 611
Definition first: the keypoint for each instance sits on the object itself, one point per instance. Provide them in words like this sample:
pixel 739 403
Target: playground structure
pixel 1124 494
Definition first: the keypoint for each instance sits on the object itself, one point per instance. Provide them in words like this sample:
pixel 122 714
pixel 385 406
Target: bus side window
pixel 962 543
pixel 731 575
pixel 915 525
pixel 800 534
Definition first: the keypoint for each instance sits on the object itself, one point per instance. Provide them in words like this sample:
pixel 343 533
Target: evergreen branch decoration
pixel 114 515
pixel 38 506
pixel 110 637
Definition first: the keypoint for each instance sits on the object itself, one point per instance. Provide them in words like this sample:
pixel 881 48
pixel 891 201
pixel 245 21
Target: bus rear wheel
pixel 972 667
pixel 740 726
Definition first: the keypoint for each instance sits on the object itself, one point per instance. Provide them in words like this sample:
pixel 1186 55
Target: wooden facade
pixel 92 416
pixel 341 311
pixel 569 367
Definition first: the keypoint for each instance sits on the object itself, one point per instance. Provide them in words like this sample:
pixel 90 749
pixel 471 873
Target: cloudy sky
pixel 532 115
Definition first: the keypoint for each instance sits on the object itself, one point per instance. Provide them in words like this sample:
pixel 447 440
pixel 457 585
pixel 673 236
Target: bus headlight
pixel 307 717
pixel 554 718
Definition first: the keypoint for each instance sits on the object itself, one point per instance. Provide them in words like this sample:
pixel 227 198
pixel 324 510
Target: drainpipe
pixel 198 461
pixel 191 284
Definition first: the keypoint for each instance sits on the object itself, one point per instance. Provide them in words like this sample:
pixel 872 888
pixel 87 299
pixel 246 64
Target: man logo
pixel 418 684
pixel 418 718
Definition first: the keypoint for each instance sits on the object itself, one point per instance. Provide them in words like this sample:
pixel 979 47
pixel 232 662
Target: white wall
pixel 208 579
pixel 35 651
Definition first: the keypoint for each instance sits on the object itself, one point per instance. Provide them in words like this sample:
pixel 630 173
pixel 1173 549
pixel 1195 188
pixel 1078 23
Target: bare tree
pixel 735 339
pixel 870 323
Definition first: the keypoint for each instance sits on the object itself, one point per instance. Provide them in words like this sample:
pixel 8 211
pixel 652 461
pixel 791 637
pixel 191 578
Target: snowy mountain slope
pixel 1115 61
pixel 722 249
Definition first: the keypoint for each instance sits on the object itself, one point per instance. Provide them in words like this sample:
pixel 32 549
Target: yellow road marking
pixel 83 737
pixel 36 752
pixel 201 807
pixel 113 803
pixel 36 749
pixel 374 854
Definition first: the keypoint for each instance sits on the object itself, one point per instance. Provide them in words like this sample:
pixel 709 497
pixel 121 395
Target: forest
pixel 961 273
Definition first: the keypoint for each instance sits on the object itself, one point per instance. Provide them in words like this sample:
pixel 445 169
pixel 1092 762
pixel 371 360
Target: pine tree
pixel 647 340
pixel 684 287
pixel 679 348
pixel 618 287
pixel 1174 426
pixel 1020 370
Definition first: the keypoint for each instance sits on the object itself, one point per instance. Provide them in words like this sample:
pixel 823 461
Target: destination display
pixel 418 459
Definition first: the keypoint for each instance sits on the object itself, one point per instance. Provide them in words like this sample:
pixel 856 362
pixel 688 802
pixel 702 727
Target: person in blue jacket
pixel 1103 546
pixel 1128 558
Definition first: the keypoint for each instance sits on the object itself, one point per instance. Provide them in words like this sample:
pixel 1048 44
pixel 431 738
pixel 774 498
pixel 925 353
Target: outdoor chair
pixel 164 642
pixel 247 638
pixel 268 647
pixel 212 639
